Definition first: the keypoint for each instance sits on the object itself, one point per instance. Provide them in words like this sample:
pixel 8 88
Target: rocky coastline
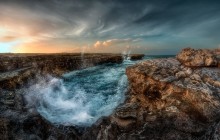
pixel 170 98
pixel 19 71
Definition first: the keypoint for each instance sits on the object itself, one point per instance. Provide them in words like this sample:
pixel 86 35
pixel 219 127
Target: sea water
pixel 81 97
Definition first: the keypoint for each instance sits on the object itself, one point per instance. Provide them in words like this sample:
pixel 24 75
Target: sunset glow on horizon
pixel 149 27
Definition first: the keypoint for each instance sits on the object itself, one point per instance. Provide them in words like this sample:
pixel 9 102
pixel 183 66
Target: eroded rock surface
pixel 18 72
pixel 199 58
pixel 17 69
pixel 168 100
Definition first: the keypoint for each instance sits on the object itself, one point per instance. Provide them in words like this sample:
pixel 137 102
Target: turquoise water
pixel 83 96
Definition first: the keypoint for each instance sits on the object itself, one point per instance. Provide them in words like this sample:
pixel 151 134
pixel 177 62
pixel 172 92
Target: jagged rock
pixel 188 103
pixel 126 111
pixel 18 71
pixel 196 58
pixel 136 56
pixel 173 98
pixel 4 128
pixel 58 62
pixel 174 101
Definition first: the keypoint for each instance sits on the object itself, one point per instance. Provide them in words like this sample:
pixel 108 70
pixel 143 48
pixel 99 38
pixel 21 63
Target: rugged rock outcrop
pixel 171 99
pixel 55 63
pixel 199 58
pixel 17 69
pixel 168 100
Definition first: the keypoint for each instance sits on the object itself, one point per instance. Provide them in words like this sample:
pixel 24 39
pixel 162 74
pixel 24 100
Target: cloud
pixel 114 42
pixel 117 46
pixel 8 38
pixel 104 19
pixel 85 22
pixel 98 44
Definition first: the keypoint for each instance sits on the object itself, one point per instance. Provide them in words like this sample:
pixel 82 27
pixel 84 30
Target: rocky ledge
pixel 170 99
pixel 17 69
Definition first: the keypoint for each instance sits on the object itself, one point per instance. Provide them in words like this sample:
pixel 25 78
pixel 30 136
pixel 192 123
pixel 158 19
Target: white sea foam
pixel 82 98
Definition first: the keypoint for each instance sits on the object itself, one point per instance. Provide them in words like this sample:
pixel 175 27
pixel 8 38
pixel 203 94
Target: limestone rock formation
pixel 169 100
pixel 184 100
pixel 200 57
pixel 18 71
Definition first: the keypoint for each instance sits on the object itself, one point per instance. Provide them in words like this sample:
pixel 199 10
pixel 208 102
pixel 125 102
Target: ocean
pixel 81 97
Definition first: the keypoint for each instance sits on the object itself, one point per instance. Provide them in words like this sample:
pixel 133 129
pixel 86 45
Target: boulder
pixel 177 97
pixel 198 58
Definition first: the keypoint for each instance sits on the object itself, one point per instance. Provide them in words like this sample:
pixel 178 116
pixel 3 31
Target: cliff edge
pixel 168 99
pixel 172 98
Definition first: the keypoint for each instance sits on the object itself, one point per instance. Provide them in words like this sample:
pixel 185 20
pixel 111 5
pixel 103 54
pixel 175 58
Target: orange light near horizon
pixel 43 48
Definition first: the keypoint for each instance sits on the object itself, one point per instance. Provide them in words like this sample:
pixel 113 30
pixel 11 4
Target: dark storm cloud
pixel 107 15
pixel 108 19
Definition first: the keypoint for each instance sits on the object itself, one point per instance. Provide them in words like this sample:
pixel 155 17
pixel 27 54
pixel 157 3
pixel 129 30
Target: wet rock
pixel 22 125
pixel 127 111
pixel 136 56
pixel 4 128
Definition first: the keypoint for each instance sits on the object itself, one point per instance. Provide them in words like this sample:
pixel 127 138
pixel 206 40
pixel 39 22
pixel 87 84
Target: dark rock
pixel 136 56
pixel 4 128
pixel 127 111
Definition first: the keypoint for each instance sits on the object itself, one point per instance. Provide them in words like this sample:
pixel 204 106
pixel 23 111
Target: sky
pixel 108 26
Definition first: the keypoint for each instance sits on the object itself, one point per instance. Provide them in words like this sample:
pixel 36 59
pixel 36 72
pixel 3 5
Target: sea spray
pixel 81 97
pixel 82 57
pixel 126 55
